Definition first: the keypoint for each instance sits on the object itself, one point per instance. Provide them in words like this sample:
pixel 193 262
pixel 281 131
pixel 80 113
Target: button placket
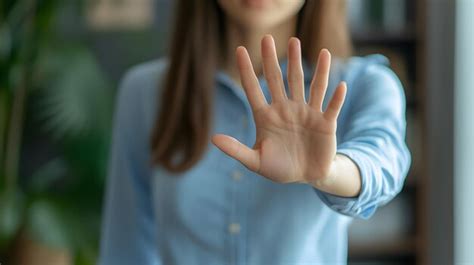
pixel 234 228
pixel 236 175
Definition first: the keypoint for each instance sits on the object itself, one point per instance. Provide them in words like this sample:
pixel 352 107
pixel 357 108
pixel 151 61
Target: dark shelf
pixel 399 260
pixel 411 182
pixel 384 37
pixel 395 248
pixel 412 104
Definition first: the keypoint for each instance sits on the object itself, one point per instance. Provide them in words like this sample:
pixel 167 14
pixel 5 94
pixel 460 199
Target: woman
pixel 175 198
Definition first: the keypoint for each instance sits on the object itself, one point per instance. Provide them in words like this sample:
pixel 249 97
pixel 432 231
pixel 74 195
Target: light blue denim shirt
pixel 221 213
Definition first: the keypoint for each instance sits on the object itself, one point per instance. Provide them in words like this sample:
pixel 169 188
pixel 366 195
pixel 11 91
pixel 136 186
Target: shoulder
pixel 371 75
pixel 139 90
pixel 145 76
pixel 359 69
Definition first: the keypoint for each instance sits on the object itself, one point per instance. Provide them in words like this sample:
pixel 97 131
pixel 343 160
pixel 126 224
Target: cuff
pixel 352 206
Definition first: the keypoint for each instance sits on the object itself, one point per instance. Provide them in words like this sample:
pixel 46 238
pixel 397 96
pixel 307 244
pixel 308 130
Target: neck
pixel 250 39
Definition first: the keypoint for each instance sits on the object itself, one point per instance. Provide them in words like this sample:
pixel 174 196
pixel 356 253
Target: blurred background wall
pixel 464 130
pixel 60 63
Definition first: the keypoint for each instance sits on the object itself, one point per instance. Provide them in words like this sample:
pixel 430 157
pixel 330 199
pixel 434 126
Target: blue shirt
pixel 219 212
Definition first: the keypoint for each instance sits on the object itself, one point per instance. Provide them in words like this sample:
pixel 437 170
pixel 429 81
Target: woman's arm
pixel 128 229
pixel 343 180
pixel 373 137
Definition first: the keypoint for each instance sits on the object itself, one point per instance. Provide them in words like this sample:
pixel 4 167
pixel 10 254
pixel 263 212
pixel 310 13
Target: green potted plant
pixel 54 92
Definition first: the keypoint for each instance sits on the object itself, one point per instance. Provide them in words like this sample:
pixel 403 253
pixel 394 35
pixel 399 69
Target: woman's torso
pixel 221 213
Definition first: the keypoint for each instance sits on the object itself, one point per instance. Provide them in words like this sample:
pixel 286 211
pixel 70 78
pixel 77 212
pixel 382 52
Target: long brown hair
pixel 182 128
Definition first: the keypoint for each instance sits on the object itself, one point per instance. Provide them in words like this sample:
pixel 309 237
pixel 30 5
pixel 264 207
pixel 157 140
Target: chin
pixel 256 4
pixel 259 21
pixel 260 14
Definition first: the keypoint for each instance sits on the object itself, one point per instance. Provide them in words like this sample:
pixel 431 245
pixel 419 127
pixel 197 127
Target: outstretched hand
pixel 296 140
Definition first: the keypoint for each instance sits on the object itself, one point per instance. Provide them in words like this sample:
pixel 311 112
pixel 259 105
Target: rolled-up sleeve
pixel 373 137
pixel 129 231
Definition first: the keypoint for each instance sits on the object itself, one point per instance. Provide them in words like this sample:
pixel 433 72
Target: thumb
pixel 250 158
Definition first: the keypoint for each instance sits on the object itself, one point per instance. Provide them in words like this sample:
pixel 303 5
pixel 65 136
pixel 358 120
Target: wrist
pixel 329 179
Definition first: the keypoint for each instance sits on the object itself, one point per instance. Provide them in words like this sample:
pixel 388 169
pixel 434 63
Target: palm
pixel 296 141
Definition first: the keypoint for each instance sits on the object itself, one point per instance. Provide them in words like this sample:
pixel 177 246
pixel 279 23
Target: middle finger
pixel 271 70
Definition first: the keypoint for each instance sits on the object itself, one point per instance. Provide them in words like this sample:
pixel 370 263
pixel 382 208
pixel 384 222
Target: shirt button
pixel 236 175
pixel 234 228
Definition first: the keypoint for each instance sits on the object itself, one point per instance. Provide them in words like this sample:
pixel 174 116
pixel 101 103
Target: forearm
pixel 344 179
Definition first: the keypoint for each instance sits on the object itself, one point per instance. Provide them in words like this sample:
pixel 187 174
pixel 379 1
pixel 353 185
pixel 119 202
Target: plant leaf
pixel 11 215
pixel 45 224
pixel 46 175
pixel 78 99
